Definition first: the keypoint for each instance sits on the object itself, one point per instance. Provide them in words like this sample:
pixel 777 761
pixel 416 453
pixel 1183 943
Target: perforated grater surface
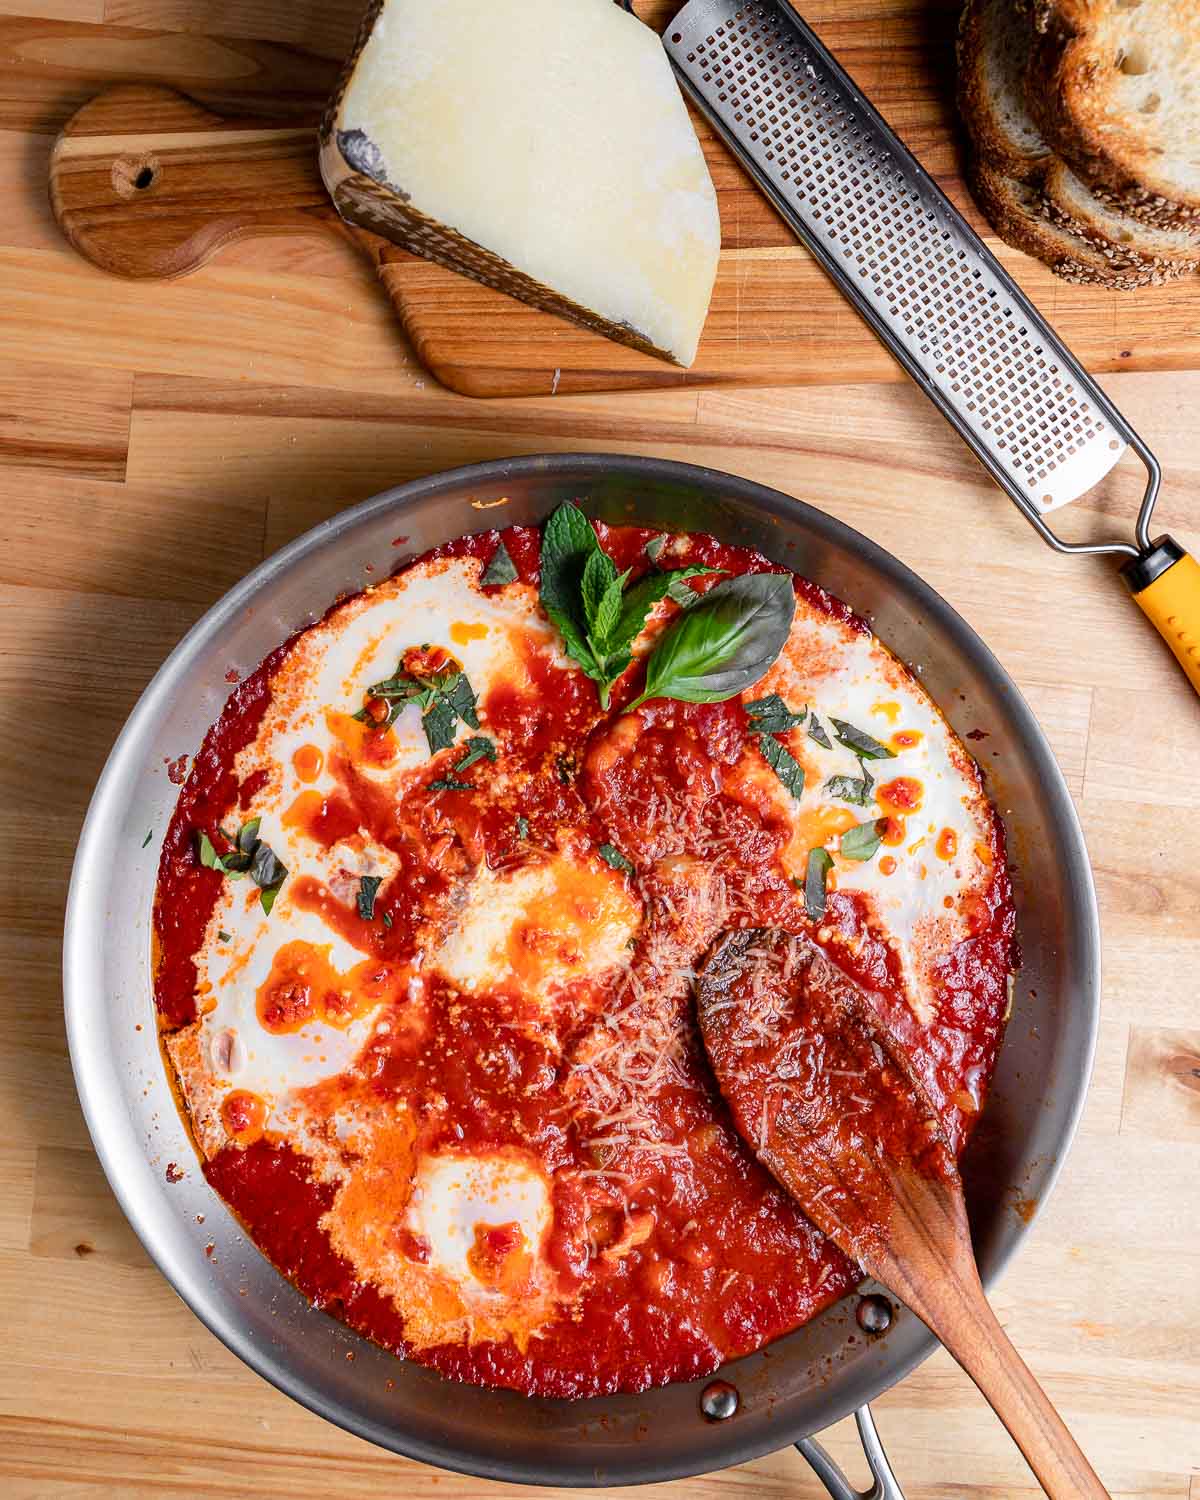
pixel 904 256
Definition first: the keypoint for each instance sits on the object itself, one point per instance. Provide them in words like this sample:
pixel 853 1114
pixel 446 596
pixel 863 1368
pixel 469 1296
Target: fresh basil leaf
pixel 599 572
pixel 576 643
pixel 387 919
pixel 266 898
pixel 248 836
pixel 500 570
pixel 726 643
pixel 448 784
pixel 863 840
pixel 854 789
pixel 478 747
pixel 611 855
pixel 860 742
pixel 522 828
pixel 816 731
pixel 819 864
pixel 655 545
pixel 568 540
pixel 783 763
pixel 368 886
pixel 223 936
pixel 148 837
pixel 232 864
pixel 771 715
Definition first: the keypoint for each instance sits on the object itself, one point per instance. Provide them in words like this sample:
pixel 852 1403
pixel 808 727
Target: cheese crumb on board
pixel 539 146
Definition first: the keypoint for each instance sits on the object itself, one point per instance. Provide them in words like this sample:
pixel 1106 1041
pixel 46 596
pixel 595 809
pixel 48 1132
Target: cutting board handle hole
pixel 132 175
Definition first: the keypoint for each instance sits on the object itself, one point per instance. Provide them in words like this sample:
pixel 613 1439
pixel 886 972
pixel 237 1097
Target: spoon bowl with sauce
pixel 823 1095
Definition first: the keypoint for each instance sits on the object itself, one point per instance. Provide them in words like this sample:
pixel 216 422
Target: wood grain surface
pixel 156 441
pixel 775 318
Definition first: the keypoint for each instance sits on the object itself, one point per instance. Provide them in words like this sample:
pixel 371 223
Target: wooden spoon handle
pixel 959 1313
pixel 145 182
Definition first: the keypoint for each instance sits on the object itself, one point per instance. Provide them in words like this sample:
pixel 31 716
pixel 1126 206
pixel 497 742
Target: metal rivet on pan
pixel 874 1314
pixel 719 1400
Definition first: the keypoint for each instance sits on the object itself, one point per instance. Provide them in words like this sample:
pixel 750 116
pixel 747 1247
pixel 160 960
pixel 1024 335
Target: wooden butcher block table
pixel 158 439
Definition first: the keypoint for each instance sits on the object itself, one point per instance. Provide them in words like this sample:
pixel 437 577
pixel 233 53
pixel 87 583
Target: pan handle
pixel 886 1486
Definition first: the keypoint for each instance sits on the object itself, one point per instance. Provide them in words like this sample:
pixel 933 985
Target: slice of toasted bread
pixel 1073 205
pixel 1017 211
pixel 995 38
pixel 1114 87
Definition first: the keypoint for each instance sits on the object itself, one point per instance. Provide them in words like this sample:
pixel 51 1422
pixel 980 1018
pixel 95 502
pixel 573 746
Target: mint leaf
pixel 819 864
pixel 598 573
pixel 568 540
pixel 783 763
pixel 500 570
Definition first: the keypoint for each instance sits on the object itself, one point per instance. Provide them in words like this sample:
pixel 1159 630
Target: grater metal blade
pixel 905 257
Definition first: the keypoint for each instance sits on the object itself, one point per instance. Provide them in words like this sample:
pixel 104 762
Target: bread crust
pixel 1082 79
pixel 977 104
pixel 1019 213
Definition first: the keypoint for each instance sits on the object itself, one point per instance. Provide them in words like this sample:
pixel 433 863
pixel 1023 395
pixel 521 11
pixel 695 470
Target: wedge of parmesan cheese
pixel 539 146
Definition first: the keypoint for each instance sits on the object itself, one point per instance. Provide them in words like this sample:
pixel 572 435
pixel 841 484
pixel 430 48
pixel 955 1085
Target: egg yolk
pixel 303 987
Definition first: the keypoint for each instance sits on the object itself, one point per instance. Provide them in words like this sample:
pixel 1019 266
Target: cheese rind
pixel 540 146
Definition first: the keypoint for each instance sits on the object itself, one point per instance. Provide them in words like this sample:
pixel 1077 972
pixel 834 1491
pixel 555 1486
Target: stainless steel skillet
pixel 802 1383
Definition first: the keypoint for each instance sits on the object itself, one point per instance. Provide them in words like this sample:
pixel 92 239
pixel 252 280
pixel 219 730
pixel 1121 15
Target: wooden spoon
pixel 823 1095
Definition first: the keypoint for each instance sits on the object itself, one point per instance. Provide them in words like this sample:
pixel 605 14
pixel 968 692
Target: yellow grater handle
pixel 1166 584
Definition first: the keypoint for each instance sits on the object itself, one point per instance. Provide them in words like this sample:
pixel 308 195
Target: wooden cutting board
pixel 148 183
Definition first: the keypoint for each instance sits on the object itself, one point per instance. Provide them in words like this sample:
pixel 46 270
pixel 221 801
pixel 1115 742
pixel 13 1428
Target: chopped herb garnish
pixel 566 768
pixel 223 936
pixel 613 856
pixel 783 763
pixel 444 698
pixel 368 886
pixel 863 840
pixel 522 828
pixel 819 864
pixel 248 856
pixel 500 570
pixel 853 788
pixel 478 747
pixel 448 784
pixel 387 919
pixel 148 837
pixel 655 545
pixel 863 745
pixel 597 612
pixel 816 731
pixel 771 715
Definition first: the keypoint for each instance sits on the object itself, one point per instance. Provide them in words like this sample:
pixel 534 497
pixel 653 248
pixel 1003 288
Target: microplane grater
pixel 905 257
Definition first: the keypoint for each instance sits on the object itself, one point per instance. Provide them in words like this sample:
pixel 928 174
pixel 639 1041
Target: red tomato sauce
pixel 731 1263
